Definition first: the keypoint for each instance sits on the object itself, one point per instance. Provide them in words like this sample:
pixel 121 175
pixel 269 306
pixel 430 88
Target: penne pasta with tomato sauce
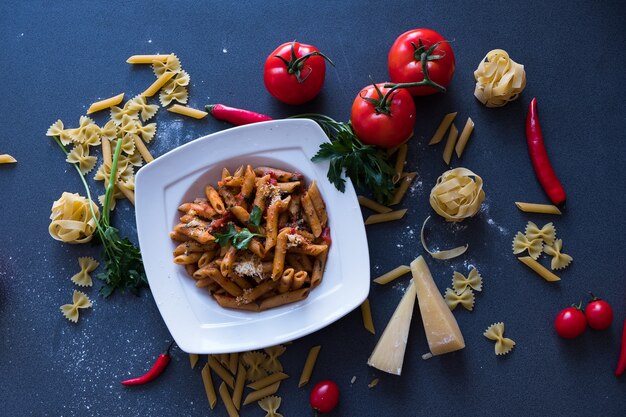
pixel 257 239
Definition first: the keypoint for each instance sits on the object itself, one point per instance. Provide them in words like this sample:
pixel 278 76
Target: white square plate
pixel 195 320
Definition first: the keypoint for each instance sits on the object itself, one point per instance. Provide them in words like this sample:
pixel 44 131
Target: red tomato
pixel 294 73
pixel 570 323
pixel 407 52
pixel 383 120
pixel 324 396
pixel 599 314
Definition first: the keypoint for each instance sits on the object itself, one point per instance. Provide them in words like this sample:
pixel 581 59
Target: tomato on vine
pixel 294 72
pixel 418 55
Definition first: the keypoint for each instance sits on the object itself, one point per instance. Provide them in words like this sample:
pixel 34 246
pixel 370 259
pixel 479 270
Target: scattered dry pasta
pixel 270 405
pixel 80 155
pixel 385 217
pixel 395 273
pixel 457 195
pixel 272 363
pixel 79 301
pixel 466 299
pixel 537 208
pixel 474 281
pixel 309 364
pixel 373 383
pixel 366 313
pixel 188 111
pixel 87 265
pixel 72 219
pixel 559 260
pixel 521 244
pixel 7 159
pixel 106 103
pixel 254 362
pixel 209 388
pixel 193 359
pixel 443 254
pixel 547 233
pixel 499 79
pixel 503 344
pixel 443 128
pixel 538 268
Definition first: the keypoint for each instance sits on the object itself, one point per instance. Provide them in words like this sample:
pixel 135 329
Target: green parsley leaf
pixel 240 239
pixel 255 216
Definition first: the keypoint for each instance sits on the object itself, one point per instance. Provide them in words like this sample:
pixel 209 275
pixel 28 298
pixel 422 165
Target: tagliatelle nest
pixel 499 79
pixel 457 195
pixel 72 219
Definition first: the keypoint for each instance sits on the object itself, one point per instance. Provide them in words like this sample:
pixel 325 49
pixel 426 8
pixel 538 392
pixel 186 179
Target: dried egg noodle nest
pixel 499 79
pixel 72 220
pixel 457 195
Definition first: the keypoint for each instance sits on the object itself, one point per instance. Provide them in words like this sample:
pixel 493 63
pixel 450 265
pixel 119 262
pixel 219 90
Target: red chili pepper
pixel 157 369
pixel 234 115
pixel 621 363
pixel 539 157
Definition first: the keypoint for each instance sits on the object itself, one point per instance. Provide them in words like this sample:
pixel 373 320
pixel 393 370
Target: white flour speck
pixel 149 40
pixel 225 50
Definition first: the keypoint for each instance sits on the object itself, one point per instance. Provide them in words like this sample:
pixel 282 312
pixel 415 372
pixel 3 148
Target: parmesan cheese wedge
pixel 388 355
pixel 442 330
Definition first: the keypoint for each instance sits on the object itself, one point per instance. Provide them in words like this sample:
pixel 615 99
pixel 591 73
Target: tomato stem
pixel 423 55
pixel 295 64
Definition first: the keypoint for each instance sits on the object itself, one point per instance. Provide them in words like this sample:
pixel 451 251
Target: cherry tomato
pixel 411 50
pixel 382 119
pixel 324 396
pixel 294 73
pixel 570 323
pixel 599 314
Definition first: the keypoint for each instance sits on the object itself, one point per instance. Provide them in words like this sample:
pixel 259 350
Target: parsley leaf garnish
pixel 240 239
pixel 255 216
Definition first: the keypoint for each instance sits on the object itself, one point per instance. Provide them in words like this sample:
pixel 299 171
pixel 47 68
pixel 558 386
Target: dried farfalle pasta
pixel 109 130
pixel 457 195
pixel 474 281
pixel 272 363
pixel 270 405
pixel 466 299
pixel 521 244
pixel 85 130
pixel 117 114
pixel 72 219
pixel 128 143
pixel 547 233
pixel 57 129
pixel 254 361
pixel 495 332
pixel 80 155
pixel 135 160
pixel 104 173
pixel 499 79
pixel 79 300
pixel 559 260
pixel 140 105
pixel 179 93
pixel 147 132
pixel 87 265
pixel 172 63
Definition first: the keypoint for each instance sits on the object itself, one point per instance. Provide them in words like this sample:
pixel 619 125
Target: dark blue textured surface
pixel 58 58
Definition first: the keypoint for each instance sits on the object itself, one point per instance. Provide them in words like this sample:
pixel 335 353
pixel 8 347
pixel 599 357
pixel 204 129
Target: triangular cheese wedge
pixel 388 355
pixel 442 330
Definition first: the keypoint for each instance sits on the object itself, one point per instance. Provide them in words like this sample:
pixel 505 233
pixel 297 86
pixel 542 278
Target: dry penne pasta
pixel 385 217
pixel 366 313
pixel 309 364
pixel 209 388
pixel 263 392
pixel 239 383
pixel 158 84
pixel 443 128
pixel 228 401
pixel 129 194
pixel 269 233
pixel 7 159
pixel 188 111
pixel 537 208
pixel 452 137
pixel 538 268
pixel 146 59
pixel 373 205
pixel 217 367
pixel 465 135
pixel 141 147
pixel 193 359
pixel 268 380
pixel 393 274
pixel 106 152
pixel 106 103
pixel 400 161
pixel 405 182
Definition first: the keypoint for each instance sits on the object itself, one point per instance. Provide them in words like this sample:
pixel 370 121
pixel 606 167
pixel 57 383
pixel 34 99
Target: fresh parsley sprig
pixel 367 166
pixel 240 239
pixel 124 268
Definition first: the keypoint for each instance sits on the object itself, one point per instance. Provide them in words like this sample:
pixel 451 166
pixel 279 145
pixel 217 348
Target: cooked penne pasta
pixel 309 364
pixel 366 313
pixel 187 111
pixel 452 137
pixel 405 182
pixel 251 242
pixel 464 138
pixel 537 208
pixel 443 128
pixel 106 103
pixel 385 217
pixel 393 274
pixel 209 388
pixel 538 268
pixel 373 205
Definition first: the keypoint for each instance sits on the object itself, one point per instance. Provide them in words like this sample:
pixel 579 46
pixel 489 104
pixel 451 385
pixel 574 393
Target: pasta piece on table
pixel 559 260
pixel 452 138
pixel 366 313
pixel 158 84
pixel 268 380
pixel 79 301
pixel 537 208
pixel 474 281
pixel 373 205
pixel 146 59
pixel 503 344
pixel 521 244
pixel 228 401
pixel 272 363
pixel 443 254
pixel 538 268
pixel 466 299
pixel 254 361
pixel 263 392
pixel 385 217
pixel 188 111
pixel 270 405
pixel 443 128
pixel 193 359
pixel 7 159
pixel 80 155
pixel 106 103
pixel 395 273
pixel 309 364
pixel 209 388
pixel 464 138
pixel 547 233
pixel 87 265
